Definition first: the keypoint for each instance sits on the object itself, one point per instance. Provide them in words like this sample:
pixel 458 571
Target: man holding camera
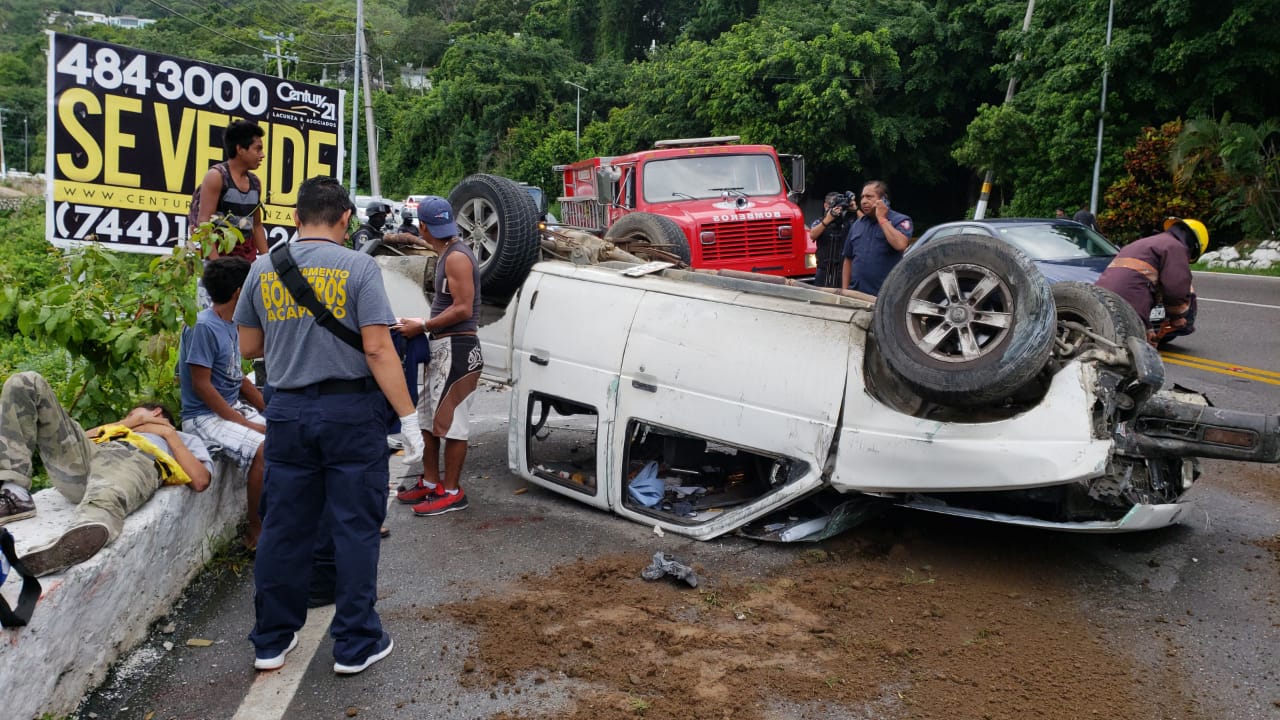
pixel 828 235
pixel 875 242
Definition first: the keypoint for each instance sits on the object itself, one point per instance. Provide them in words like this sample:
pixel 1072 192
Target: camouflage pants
pixel 107 481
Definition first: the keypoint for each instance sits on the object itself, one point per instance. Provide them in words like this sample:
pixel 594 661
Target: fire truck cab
pixel 712 202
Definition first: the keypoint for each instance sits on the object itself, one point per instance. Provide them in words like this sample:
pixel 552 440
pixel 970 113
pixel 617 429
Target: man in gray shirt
pixel 327 422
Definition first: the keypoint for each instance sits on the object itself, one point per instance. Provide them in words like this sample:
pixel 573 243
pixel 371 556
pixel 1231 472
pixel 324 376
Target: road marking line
pixel 1230 366
pixel 1239 302
pixel 1223 371
pixel 272 691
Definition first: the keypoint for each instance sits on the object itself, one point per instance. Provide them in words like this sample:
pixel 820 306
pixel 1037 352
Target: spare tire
pixel 1097 309
pixel 965 321
pixel 499 220
pixel 662 233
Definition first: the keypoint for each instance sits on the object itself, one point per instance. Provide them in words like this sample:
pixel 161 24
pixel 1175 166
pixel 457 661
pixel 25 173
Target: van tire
pixel 1098 309
pixel 634 230
pixel 499 221
pixel 1009 328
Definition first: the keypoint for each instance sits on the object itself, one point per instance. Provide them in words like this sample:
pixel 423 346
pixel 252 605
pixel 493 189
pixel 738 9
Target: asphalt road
pixel 1202 598
pixel 1234 354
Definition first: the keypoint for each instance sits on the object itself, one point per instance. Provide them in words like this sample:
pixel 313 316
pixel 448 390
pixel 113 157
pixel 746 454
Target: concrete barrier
pixel 96 611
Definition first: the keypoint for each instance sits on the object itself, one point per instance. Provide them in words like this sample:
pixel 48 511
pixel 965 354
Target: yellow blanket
pixel 170 471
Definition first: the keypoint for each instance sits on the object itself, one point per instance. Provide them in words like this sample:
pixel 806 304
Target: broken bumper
pixel 1138 519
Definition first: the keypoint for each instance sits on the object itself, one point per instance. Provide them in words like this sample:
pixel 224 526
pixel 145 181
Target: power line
pixel 244 44
pixel 171 11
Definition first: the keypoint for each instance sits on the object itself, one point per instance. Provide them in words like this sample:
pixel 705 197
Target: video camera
pixel 844 200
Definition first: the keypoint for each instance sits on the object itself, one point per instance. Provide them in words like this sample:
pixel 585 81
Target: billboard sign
pixel 132 133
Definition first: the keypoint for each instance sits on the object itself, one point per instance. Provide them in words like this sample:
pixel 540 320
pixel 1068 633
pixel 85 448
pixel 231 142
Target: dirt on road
pixel 873 625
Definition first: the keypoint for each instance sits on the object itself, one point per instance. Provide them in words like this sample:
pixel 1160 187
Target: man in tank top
pixel 234 193
pixel 454 370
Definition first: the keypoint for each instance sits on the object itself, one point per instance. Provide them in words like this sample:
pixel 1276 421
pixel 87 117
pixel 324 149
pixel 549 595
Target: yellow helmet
pixel 1197 227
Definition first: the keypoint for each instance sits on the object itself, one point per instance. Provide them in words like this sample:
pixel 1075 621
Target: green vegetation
pixel 905 90
pixel 101 326
pixel 909 91
pixel 1273 271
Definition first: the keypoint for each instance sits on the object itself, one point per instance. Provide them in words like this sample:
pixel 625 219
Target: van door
pixel 496 332
pixel 566 360
pixel 732 400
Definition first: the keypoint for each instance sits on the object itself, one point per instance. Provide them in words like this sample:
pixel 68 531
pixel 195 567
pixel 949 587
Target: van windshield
pixel 709 176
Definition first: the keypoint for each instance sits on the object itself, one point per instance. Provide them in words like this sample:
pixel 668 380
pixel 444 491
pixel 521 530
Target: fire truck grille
pixel 747 239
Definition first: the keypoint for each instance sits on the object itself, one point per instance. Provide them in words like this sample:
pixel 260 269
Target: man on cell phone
pixel 875 242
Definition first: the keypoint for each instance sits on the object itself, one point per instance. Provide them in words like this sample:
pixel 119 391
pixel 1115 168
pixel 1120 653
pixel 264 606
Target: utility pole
pixel 355 96
pixel 1102 111
pixel 26 148
pixel 370 129
pixel 278 57
pixel 4 169
pixel 577 125
pixel 981 211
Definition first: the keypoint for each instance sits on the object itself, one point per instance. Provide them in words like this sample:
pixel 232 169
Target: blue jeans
pixel 326 455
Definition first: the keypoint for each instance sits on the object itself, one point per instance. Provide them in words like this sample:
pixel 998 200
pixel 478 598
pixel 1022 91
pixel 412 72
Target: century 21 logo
pixel 312 102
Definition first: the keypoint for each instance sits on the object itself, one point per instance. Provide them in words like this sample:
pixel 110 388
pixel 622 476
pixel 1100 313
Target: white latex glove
pixel 412 433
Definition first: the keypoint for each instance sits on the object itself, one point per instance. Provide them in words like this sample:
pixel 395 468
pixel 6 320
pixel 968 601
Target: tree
pixel 1168 58
pixel 1246 162
pixel 484 85
pixel 770 83
pixel 1137 204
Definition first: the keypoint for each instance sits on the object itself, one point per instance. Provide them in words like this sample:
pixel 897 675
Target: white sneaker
pixel 353 669
pixel 275 662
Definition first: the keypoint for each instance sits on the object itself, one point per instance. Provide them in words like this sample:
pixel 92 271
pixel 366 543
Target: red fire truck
pixel 710 201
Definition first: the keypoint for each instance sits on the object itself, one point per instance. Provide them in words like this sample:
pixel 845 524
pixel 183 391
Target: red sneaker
pixel 419 492
pixel 441 505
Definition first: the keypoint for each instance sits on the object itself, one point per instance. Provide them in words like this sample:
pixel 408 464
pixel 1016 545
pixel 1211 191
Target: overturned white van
pixel 705 403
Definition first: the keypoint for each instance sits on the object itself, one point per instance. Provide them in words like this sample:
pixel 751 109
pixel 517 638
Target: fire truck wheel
pixel 965 321
pixel 633 231
pixel 499 220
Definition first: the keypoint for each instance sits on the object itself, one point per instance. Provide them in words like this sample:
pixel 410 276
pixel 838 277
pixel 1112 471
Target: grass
pixel 1245 248
pixel 1273 271
pixel 227 554
pixel 639 705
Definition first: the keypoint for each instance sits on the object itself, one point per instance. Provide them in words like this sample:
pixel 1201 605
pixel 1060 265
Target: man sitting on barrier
pixel 109 471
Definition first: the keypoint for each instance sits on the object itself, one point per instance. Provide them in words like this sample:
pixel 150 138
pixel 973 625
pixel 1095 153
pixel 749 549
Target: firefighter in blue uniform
pixel 875 242
pixel 326 450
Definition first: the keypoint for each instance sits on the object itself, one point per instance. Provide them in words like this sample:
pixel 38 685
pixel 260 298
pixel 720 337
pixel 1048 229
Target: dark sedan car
pixel 1062 249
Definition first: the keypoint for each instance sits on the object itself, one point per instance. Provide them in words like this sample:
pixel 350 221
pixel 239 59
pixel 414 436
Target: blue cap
pixel 435 212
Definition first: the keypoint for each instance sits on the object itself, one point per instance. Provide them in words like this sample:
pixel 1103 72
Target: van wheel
pixel 1098 310
pixel 498 219
pixel 634 231
pixel 965 321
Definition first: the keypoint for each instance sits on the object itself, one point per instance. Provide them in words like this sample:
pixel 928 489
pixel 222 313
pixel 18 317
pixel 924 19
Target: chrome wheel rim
pixel 960 313
pixel 479 225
